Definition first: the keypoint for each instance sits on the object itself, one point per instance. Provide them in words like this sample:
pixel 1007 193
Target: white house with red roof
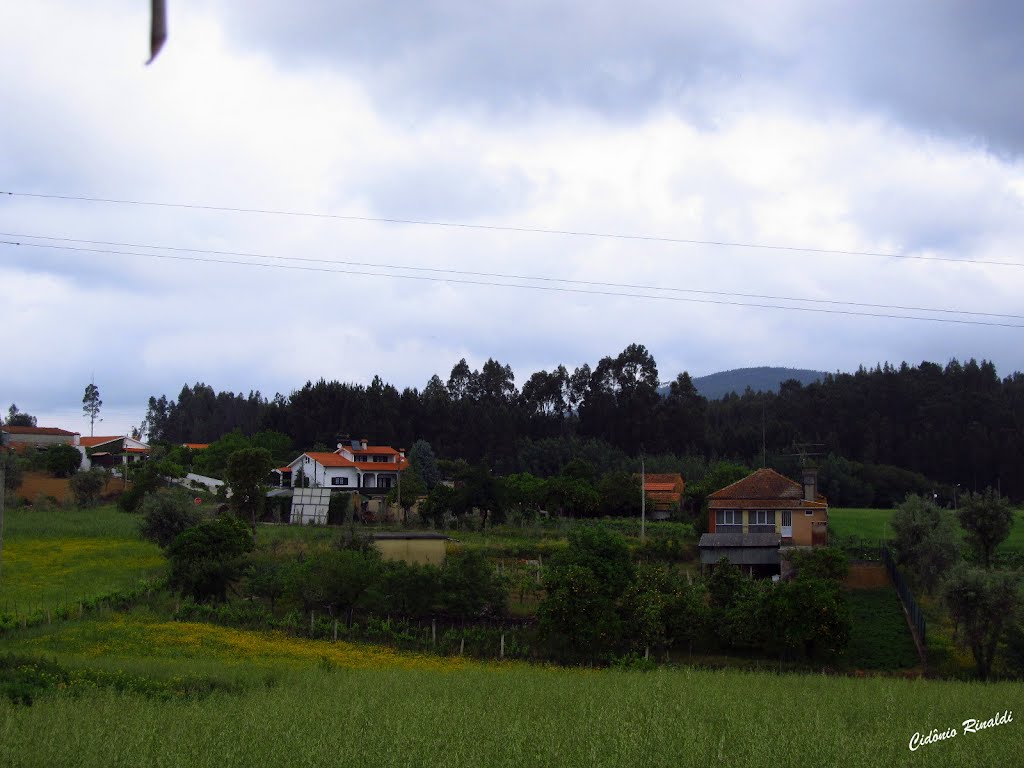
pixel 111 450
pixel 354 466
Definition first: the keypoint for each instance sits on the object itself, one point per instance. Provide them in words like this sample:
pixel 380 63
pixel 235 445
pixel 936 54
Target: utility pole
pixel 643 502
pixel 764 449
pixel 3 493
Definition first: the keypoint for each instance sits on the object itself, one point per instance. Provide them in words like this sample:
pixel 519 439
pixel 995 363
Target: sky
pixel 392 187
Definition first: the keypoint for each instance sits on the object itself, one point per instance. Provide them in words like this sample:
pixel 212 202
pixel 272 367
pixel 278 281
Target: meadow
pixel 872 525
pixel 273 699
pixel 57 557
pixel 319 703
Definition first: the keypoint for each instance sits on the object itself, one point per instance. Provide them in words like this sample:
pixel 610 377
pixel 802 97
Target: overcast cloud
pixel 870 127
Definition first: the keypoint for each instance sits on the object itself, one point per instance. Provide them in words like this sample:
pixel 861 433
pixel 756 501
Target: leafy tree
pixel 925 540
pixel 338 579
pixel 63 460
pixel 166 514
pixel 267 577
pixel 338 508
pixel 571 496
pixel 13 474
pixel 278 445
pixel 686 613
pixel 409 590
pixel 87 486
pixel 601 551
pixel 91 404
pixel 470 586
pixel 246 477
pixel 577 617
pixel 146 478
pixel 16 418
pixel 823 563
pixel 482 491
pixel 982 604
pixel 208 556
pixel 619 495
pixel 644 607
pixel 412 489
pixel 423 459
pixel 810 616
pixel 440 501
pixel 987 518
pixel 525 494
pixel 213 461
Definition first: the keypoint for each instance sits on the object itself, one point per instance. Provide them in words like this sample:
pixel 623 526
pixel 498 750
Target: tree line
pixel 882 432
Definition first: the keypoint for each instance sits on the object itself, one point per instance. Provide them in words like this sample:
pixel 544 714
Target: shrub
pixel 208 556
pixel 87 486
pixel 62 460
pixel 166 514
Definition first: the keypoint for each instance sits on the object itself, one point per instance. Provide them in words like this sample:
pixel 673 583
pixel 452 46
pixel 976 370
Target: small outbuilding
pixel 413 548
pixel 755 553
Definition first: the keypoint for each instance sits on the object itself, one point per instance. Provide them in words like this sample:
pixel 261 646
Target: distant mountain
pixel 717 385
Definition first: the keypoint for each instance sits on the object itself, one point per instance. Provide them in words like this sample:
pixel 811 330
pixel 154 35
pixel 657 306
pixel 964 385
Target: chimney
pixel 810 485
pixel 401 453
pixel 363 443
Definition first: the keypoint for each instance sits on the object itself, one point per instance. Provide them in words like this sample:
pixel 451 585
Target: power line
pixel 549 288
pixel 505 276
pixel 504 228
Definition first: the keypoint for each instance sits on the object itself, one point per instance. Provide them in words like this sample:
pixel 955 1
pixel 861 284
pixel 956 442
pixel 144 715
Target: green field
pixel 880 637
pixel 326 704
pixel 872 525
pixel 272 699
pixel 56 557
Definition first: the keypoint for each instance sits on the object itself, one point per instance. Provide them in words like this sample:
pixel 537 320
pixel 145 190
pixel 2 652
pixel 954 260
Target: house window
pixel 808 512
pixel 339 481
pixel 761 521
pixel 380 459
pixel 305 459
pixel 728 521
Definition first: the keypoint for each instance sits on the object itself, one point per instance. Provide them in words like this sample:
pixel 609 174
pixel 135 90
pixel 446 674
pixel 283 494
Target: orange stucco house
pixel 752 519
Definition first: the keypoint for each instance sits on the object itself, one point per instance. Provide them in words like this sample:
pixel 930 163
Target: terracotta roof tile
pixel 765 489
pixel 92 442
pixel 38 431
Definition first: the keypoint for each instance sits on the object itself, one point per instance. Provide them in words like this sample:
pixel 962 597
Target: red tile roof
pixel 38 431
pixel 649 486
pixel 92 442
pixel 337 460
pixel 196 446
pixel 768 489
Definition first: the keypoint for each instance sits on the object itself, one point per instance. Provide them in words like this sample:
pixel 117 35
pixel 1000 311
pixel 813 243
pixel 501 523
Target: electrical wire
pixel 509 228
pixel 549 288
pixel 505 276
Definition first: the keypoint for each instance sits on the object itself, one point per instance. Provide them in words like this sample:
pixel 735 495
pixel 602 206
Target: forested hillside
pixel 958 424
pixel 763 379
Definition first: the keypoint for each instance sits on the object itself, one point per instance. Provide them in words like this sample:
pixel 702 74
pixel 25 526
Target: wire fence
pixel 906 597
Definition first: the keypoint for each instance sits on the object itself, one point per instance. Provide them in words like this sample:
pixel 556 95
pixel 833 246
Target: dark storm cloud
pixel 945 67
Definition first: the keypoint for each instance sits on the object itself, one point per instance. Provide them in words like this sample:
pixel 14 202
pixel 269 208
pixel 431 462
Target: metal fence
pixel 906 597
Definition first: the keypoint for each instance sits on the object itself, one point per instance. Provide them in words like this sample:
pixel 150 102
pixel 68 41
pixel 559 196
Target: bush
pixel 87 486
pixel 166 514
pixel 208 556
pixel 12 471
pixel 62 460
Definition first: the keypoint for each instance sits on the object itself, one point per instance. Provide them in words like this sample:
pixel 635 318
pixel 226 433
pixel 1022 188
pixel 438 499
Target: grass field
pixel 880 638
pixel 316 703
pixel 873 525
pixel 55 557
pixel 292 701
